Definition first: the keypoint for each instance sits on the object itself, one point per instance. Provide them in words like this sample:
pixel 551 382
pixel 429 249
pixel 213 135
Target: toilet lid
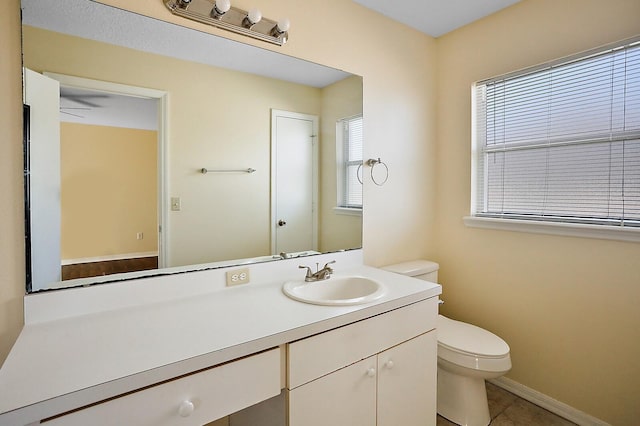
pixel 466 338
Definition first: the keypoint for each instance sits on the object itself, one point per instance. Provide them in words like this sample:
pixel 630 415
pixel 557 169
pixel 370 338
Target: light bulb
pixel 280 29
pixel 254 16
pixel 222 6
pixel 283 25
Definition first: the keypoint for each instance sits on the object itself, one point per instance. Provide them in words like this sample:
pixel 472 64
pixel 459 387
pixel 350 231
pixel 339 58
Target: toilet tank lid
pixel 413 267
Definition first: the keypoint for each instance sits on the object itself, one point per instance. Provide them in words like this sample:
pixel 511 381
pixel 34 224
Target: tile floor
pixel 506 409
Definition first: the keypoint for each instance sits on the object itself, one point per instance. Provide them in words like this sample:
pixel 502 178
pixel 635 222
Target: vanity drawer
pixel 321 354
pixel 214 393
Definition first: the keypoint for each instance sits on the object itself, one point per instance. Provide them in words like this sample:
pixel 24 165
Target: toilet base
pixel 462 400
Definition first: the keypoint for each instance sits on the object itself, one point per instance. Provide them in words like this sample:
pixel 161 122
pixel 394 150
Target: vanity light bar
pixel 220 14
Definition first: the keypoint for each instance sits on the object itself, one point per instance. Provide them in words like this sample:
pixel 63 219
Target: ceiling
pixel 99 22
pixel 86 106
pixel 436 17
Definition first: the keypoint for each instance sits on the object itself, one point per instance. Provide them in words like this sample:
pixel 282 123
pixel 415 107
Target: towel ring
pixel 372 162
pixel 359 173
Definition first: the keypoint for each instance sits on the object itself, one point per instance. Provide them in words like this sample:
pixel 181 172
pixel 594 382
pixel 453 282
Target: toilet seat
pixel 472 347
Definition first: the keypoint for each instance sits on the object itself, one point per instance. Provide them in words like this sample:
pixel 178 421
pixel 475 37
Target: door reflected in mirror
pixel 132 195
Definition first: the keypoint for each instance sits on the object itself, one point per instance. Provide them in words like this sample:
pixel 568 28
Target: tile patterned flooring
pixel 507 409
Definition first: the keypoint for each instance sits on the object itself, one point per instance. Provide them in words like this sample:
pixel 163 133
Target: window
pixel 561 143
pixel 349 159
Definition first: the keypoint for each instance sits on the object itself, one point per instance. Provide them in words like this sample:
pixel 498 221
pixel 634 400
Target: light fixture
pixel 222 15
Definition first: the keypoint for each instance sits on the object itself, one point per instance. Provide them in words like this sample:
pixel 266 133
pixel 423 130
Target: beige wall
pixel 12 279
pixel 108 190
pixel 398 67
pixel 211 125
pixel 568 307
pixel 397 64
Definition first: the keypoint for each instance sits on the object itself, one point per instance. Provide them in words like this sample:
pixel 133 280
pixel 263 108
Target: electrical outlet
pixel 237 276
pixel 140 236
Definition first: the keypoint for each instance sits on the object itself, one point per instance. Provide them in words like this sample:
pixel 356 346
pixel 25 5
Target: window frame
pixel 514 223
pixel 342 165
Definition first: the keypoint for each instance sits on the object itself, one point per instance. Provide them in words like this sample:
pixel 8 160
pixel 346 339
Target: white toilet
pixel 467 355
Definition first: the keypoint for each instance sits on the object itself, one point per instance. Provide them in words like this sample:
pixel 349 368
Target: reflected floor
pixel 507 409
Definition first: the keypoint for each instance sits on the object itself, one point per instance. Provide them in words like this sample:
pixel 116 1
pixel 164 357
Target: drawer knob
pixel 371 372
pixel 186 408
pixel 389 364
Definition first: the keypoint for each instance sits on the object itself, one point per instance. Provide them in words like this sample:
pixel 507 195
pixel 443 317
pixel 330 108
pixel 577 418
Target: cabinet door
pixel 407 383
pixel 346 397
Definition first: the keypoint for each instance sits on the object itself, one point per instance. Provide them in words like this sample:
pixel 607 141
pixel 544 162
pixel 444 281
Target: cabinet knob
pixel 186 408
pixel 371 372
pixel 389 364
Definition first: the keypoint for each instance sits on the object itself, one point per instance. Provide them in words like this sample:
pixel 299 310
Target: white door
pixel 42 94
pixel 294 182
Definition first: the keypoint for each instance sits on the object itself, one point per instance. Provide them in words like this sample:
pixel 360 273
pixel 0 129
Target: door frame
pixel 163 143
pixel 275 113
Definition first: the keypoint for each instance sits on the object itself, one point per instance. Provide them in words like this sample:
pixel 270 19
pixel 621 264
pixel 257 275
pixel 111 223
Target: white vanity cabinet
pixel 94 357
pixel 194 399
pixel 379 371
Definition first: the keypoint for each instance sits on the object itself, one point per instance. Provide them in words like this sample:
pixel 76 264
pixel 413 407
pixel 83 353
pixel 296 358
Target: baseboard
pixel 560 408
pixel 108 258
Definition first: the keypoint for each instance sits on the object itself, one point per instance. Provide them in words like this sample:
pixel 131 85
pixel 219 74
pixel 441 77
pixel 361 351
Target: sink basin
pixel 335 291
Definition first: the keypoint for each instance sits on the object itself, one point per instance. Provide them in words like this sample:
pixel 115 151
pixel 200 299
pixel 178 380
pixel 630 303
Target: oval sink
pixel 335 291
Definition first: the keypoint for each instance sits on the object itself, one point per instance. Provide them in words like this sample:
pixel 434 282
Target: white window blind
pixel 351 186
pixel 561 142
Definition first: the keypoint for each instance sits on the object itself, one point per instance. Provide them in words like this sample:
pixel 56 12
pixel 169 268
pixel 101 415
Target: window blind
pixel 562 142
pixel 353 147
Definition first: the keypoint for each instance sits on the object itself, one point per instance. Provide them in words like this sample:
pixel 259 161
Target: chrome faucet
pixel 320 274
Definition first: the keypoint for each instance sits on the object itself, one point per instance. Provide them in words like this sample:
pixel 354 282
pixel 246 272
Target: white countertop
pixel 69 362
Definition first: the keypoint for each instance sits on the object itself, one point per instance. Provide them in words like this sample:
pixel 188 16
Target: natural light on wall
pixel 560 143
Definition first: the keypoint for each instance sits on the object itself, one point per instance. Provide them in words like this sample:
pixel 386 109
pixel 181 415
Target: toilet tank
pixel 421 269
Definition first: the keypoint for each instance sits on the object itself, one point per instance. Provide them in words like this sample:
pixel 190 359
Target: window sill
pixel 347 211
pixel 564 229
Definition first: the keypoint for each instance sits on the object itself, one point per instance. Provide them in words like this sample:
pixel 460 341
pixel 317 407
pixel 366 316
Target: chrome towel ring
pixel 372 162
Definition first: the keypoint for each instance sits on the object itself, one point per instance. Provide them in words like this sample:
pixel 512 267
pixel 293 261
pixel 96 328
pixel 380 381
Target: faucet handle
pixel 309 273
pixel 326 266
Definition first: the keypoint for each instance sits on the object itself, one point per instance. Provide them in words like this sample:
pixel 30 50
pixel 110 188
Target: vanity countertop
pixel 69 362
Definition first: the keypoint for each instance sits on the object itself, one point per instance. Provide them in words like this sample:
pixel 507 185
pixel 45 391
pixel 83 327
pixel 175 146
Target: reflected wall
pixel 218 119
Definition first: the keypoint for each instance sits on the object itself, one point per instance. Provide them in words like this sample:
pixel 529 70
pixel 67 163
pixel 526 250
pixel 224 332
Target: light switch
pixel 175 204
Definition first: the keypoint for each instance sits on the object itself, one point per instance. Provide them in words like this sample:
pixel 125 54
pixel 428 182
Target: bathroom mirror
pixel 208 180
